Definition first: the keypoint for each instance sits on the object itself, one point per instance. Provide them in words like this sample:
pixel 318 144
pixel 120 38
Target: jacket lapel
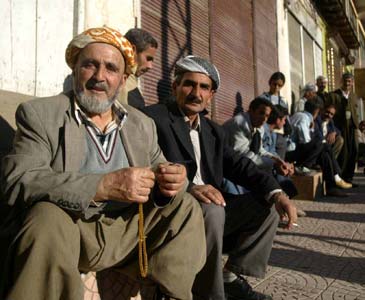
pixel 126 139
pixel 74 144
pixel 207 146
pixel 181 130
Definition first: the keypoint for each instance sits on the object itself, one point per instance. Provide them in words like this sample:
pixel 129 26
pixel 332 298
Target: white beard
pixel 92 105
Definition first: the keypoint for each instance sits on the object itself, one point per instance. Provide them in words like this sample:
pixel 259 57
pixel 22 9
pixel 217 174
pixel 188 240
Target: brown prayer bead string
pixel 142 249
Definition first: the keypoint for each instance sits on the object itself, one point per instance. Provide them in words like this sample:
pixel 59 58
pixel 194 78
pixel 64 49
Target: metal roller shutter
pixel 181 28
pixel 308 58
pixel 231 51
pixel 295 52
pixel 265 27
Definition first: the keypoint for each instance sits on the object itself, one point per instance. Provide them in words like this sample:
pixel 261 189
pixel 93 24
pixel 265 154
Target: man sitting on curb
pixel 310 150
pixel 81 166
pixel 243 225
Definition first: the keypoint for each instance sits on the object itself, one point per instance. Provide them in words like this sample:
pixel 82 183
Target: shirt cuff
pixel 269 195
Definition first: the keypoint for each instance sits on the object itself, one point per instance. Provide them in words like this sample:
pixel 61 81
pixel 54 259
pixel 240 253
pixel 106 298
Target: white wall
pixel 35 34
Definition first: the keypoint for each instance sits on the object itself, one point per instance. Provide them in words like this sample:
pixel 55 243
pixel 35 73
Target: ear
pixel 123 80
pixel 174 86
pixel 212 92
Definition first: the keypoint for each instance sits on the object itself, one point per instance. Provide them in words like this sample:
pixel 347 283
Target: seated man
pixel 80 167
pixel 310 150
pixel 327 130
pixel 245 132
pixel 308 93
pixel 243 225
pixel 276 121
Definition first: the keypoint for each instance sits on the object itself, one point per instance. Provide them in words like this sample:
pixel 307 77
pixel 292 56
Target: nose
pixel 195 91
pixel 99 74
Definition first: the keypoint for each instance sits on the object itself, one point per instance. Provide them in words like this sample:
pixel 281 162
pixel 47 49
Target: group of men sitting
pixel 325 125
pixel 87 169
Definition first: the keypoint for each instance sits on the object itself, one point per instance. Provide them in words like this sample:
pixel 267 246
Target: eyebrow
pixel 109 65
pixel 192 82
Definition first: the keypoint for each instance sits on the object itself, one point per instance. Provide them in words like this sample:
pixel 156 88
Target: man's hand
pixel 283 168
pixel 170 178
pixel 207 194
pixel 362 126
pixel 129 185
pixel 331 138
pixel 286 209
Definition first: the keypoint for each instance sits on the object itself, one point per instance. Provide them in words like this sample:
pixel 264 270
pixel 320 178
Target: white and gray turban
pixel 196 64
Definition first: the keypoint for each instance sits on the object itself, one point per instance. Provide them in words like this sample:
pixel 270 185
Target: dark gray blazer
pixel 218 159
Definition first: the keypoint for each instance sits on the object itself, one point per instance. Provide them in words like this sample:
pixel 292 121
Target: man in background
pixel 347 121
pixel 145 47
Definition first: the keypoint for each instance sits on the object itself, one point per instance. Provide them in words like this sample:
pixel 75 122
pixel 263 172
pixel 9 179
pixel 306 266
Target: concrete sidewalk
pixel 324 258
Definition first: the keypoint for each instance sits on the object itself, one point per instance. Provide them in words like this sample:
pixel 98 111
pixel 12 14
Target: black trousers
pixel 315 152
pixel 245 230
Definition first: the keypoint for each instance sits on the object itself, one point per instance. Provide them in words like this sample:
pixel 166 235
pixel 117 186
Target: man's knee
pixel 214 219
pixel 49 225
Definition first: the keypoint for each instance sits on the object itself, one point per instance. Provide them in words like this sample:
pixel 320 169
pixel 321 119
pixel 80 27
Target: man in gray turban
pixel 243 225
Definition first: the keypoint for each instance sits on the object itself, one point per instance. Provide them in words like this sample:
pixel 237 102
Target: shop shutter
pixel 181 28
pixel 308 58
pixel 295 52
pixel 265 27
pixel 231 51
pixel 318 65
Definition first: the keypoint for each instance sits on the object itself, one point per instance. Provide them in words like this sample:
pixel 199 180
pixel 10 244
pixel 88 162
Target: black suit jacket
pixel 218 159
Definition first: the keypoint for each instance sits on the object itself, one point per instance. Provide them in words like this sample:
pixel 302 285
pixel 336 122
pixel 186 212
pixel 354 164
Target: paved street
pixel 324 258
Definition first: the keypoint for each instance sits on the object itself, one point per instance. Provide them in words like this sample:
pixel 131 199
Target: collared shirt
pixel 324 130
pixel 345 94
pixel 104 140
pixel 194 136
pixel 301 122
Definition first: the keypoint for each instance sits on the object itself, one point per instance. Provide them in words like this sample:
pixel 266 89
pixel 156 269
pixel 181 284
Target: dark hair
pixel 347 76
pixel 257 102
pixel 140 38
pixel 277 112
pixel 328 105
pixel 277 76
pixel 310 106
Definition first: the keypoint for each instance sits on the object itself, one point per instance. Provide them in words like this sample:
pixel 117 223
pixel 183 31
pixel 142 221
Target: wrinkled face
pixel 328 113
pixel 144 60
pixel 309 95
pixel 98 76
pixel 275 86
pixel 194 92
pixel 322 84
pixel 347 84
pixel 260 115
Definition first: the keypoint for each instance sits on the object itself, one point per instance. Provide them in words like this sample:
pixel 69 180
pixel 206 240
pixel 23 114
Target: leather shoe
pixel 334 192
pixel 343 184
pixel 240 289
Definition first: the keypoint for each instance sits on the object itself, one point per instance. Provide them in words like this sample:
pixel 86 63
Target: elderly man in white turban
pixel 308 92
pixel 242 225
pixel 81 168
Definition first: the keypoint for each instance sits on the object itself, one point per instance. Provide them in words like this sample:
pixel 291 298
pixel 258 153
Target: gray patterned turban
pixel 196 64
